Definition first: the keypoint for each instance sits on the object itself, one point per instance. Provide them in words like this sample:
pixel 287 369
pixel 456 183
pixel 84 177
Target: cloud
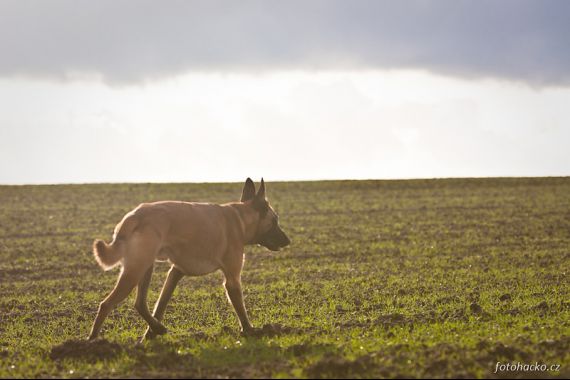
pixel 133 41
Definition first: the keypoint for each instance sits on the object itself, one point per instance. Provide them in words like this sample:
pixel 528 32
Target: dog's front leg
pixel 235 295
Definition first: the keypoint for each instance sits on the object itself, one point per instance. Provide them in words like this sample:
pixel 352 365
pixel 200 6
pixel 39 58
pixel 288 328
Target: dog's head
pixel 268 234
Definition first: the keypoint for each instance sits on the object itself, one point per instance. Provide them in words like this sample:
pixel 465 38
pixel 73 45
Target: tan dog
pixel 197 238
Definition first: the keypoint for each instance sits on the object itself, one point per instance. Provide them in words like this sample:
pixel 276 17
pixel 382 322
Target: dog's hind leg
pixel 126 283
pixel 139 257
pixel 142 307
pixel 174 276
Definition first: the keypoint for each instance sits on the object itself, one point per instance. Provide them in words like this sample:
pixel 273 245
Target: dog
pixel 197 239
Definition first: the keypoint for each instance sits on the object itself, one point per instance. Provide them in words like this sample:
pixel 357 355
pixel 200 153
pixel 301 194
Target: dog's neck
pixel 250 220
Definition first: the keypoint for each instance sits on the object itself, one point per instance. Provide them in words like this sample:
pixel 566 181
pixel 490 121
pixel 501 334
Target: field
pixel 413 278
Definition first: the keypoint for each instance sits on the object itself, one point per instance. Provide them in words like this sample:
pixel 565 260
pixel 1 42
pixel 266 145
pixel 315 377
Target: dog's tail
pixel 108 256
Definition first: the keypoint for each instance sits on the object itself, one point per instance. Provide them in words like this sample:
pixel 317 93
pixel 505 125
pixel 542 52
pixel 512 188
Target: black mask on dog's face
pixel 273 238
pixel 269 234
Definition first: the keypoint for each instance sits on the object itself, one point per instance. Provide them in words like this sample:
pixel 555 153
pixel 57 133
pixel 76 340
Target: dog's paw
pixel 252 332
pixel 159 330
pixel 152 333
pixel 148 335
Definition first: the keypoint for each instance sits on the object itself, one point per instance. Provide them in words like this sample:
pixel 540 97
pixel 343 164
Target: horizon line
pixel 281 180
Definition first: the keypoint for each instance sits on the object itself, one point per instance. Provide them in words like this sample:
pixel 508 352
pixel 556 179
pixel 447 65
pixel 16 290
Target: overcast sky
pixel 174 91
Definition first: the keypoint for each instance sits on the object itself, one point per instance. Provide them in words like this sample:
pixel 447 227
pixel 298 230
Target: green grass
pixel 384 279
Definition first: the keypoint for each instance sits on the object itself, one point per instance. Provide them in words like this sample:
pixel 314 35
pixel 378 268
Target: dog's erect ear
pixel 261 192
pixel 259 202
pixel 248 191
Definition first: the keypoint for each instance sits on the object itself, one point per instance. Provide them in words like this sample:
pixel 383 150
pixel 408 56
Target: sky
pixel 212 91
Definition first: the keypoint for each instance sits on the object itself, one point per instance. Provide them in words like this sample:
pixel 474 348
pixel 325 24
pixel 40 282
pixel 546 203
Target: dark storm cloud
pixel 129 41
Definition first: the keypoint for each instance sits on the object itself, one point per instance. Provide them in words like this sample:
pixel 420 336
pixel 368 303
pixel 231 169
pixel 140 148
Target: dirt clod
pixel 339 367
pixel 475 308
pixel 391 320
pixel 509 352
pixel 505 297
pixel 99 349
pixel 270 329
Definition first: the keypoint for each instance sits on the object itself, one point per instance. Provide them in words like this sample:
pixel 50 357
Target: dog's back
pixel 174 223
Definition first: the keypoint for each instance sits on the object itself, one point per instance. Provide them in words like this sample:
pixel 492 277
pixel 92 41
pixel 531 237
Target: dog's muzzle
pixel 274 239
